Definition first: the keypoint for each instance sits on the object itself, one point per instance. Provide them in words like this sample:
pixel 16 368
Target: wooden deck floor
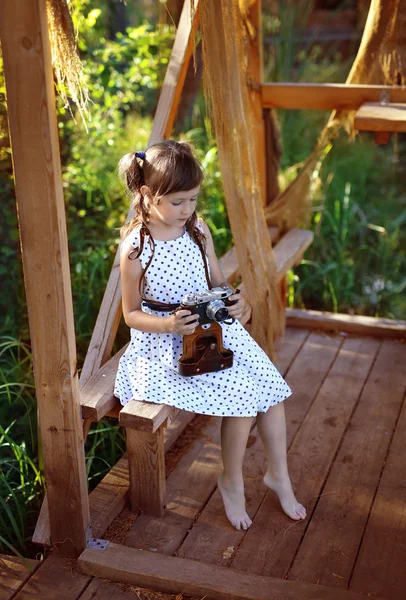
pixel 347 447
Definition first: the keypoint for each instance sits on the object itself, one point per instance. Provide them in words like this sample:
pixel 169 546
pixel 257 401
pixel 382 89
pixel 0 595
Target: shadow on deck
pixel 347 442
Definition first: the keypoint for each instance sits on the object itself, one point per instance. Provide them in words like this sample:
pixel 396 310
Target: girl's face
pixel 174 209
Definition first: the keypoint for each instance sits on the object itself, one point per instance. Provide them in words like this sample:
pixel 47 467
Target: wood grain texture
pixel 326 96
pixel 376 327
pixel 176 72
pixel 380 565
pixel 111 495
pixel 146 460
pixel 211 539
pixel 54 579
pixel 306 376
pixel 373 116
pixel 229 263
pixel 41 210
pixel 145 416
pixel 290 249
pixel 180 575
pixel 14 572
pixel 330 546
pixel 189 487
pixel 104 590
pixel 96 394
pixel 271 543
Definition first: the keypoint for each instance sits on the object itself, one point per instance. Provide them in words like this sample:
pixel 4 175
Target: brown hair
pixel 165 168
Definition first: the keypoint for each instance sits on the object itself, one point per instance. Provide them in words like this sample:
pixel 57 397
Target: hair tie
pixel 140 155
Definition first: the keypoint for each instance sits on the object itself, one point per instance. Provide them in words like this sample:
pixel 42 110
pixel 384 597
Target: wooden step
pixel 373 116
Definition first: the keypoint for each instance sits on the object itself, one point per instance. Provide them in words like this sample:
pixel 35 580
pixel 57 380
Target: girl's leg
pixel 234 436
pixel 272 429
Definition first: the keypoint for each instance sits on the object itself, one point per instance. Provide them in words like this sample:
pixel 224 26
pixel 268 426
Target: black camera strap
pixel 136 253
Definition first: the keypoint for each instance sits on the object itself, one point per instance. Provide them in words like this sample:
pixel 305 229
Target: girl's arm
pixel 131 271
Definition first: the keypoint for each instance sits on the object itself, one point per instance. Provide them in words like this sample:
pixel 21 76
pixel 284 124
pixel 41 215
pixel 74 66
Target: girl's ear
pixel 146 192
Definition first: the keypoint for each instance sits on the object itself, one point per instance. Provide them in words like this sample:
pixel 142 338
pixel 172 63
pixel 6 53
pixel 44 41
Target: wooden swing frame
pixel 71 518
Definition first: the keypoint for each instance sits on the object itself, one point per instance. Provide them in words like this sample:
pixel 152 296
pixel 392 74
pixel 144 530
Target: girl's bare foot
pixel 289 504
pixel 232 493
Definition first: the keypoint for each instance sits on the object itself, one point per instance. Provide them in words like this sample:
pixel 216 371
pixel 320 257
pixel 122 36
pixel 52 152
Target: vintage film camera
pixel 210 305
pixel 203 350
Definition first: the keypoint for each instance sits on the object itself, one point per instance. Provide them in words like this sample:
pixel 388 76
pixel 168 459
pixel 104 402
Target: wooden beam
pixel 41 212
pixel 376 327
pixel 327 96
pixel 176 72
pixel 373 116
pixel 181 575
pixel 110 312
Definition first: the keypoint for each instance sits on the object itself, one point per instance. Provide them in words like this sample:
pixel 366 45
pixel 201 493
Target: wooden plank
pixel 288 346
pixel 104 590
pixel 173 574
pixel 229 263
pixel 14 572
pixel 146 460
pixel 211 538
pixel 55 578
pixel 380 565
pixel 189 487
pixel 41 210
pixel 109 497
pixel 330 546
pixel 96 394
pixel 315 359
pixel 373 116
pixel 176 72
pixel 326 96
pixel 290 249
pixel 145 416
pixel 376 327
pixel 110 312
pixel 271 543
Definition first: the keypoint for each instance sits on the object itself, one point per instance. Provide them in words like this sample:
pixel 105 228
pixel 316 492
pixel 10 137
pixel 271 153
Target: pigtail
pixel 131 173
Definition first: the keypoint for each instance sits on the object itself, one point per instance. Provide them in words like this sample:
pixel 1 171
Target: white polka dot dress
pixel 148 369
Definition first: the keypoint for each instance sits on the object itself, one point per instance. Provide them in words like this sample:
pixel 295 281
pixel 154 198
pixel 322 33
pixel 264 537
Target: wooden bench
pixel 145 422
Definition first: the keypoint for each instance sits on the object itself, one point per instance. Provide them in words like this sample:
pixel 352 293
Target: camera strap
pixel 136 253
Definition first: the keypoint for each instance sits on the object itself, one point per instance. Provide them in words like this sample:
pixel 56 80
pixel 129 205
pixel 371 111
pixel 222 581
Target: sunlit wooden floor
pixel 347 447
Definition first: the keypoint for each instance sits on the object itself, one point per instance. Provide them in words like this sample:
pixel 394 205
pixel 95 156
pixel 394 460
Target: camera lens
pixel 216 311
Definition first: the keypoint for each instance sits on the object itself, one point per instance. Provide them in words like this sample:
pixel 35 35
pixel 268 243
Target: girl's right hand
pixel 183 322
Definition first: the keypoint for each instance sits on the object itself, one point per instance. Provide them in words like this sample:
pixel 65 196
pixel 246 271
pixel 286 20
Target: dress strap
pixel 155 304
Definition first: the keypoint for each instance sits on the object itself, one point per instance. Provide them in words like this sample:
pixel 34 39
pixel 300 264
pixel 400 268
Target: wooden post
pixel 254 82
pixel 41 211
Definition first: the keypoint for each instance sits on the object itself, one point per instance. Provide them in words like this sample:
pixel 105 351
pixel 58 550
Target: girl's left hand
pixel 236 310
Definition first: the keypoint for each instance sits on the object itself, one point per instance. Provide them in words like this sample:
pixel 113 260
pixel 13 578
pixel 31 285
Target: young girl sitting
pixel 161 262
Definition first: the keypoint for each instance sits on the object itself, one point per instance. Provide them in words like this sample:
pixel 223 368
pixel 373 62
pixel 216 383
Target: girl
pixel 161 261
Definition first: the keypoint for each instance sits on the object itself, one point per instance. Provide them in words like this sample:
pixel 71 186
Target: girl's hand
pixel 183 322
pixel 236 310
